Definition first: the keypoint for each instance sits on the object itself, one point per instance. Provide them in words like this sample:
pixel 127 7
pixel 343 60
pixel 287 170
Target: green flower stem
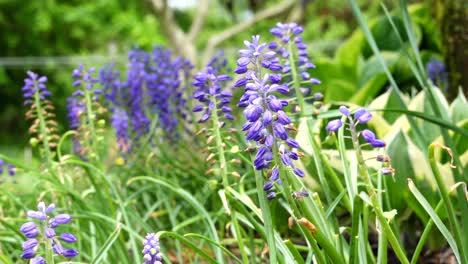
pixel 224 173
pixel 296 81
pixel 91 118
pixel 266 215
pixel 43 127
pixel 49 253
pixel 311 238
pixel 374 198
pixel 323 241
pixel 445 196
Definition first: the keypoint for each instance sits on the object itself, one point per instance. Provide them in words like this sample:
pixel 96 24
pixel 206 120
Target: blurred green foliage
pixel 64 28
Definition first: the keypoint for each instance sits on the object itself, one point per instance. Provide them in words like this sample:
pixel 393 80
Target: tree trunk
pixel 453 21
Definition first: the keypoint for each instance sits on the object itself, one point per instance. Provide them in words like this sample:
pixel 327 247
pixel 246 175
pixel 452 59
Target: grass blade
pixel 185 241
pixel 438 222
pixel 107 244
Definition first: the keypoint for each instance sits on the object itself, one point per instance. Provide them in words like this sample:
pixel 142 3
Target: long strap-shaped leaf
pixel 438 222
pixel 107 245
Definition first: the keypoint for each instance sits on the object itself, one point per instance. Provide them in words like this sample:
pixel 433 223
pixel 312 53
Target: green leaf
pixel 192 246
pixel 384 35
pixel 438 222
pixel 459 108
pixel 348 53
pixel 372 66
pixel 107 245
pixel 369 90
pixel 225 250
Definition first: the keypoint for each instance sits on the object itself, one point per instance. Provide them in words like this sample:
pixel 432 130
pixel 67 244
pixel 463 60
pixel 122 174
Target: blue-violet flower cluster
pixel 151 250
pixel 438 73
pixel 43 230
pixel 210 90
pixel 267 122
pixel 361 116
pixel 34 86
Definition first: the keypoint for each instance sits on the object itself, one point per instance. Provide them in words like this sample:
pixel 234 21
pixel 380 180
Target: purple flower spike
pixel 34 86
pixel 31 231
pixel 210 85
pixel 151 250
pixel 334 125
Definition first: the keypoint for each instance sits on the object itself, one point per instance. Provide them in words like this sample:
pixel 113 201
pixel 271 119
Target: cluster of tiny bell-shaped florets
pixel 290 33
pixel 438 73
pixel 291 49
pixel 76 103
pixel 267 122
pixel 151 250
pixel 211 91
pixel 362 116
pixel 35 88
pixel 34 85
pixel 44 231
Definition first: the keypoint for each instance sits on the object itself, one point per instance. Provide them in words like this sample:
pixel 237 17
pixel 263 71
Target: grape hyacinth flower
pixel 361 116
pixel 34 86
pixel 151 250
pixel 119 121
pixel 437 73
pixel 290 33
pixel 44 125
pixel 210 94
pixel 43 230
pixel 296 66
pixel 267 122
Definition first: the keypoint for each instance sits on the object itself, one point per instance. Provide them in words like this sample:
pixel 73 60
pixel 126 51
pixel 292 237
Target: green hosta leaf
pixel 369 90
pixel 372 66
pixel 387 100
pixel 348 53
pixel 459 108
pixel 408 162
pixel 386 38
pixel 339 90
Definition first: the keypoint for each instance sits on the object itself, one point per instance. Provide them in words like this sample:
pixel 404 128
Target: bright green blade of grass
pixel 438 222
pixel 107 245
